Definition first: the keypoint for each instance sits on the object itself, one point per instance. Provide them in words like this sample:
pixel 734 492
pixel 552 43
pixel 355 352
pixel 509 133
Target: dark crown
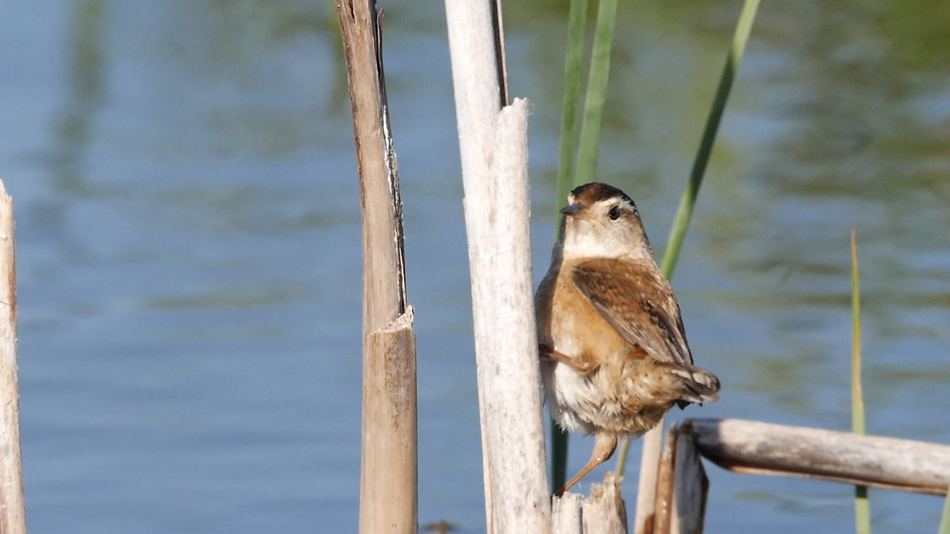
pixel 594 192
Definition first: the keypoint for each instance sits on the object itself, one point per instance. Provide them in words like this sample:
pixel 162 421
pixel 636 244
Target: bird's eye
pixel 614 213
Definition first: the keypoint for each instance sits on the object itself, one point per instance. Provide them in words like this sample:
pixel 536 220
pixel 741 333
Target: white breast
pixel 566 393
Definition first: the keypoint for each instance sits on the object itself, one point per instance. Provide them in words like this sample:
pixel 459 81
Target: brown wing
pixel 638 302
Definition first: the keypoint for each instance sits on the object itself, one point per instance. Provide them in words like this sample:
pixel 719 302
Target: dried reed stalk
pixel 493 147
pixel 13 510
pixel 388 468
pixel 763 448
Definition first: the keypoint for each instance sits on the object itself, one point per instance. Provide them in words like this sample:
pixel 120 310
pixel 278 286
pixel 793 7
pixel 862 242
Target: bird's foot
pixel 581 364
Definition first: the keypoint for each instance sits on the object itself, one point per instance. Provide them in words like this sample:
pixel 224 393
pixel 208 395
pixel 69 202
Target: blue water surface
pixel 188 246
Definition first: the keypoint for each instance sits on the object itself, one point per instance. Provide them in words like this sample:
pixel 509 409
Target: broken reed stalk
pixel 690 487
pixel 13 509
pixel 389 463
pixel 763 448
pixel 493 147
pixel 681 488
pixel 604 512
pixel 659 522
pixel 862 508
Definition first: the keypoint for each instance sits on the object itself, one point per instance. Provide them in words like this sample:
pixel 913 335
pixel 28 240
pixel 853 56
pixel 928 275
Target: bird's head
pixel 601 221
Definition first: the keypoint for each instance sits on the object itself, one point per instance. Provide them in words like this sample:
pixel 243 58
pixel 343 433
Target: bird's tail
pixel 696 385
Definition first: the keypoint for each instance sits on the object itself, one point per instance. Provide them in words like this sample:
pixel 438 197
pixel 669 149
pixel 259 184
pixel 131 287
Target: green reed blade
pixel 576 29
pixel 685 211
pixel 596 92
pixel 945 519
pixel 862 507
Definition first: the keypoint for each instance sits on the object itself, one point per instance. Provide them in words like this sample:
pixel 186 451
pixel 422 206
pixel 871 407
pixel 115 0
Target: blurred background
pixel 188 239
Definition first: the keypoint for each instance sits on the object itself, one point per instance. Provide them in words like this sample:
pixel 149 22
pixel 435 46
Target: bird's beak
pixel 576 210
pixel 572 210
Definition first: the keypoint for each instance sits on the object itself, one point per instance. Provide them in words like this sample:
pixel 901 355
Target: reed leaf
pixel 685 211
pixel 862 508
pixel 596 92
pixel 576 30
pixel 589 138
pixel 945 519
pixel 573 80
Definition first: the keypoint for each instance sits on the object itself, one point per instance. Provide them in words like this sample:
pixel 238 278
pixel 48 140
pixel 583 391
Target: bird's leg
pixel 583 364
pixel 604 445
pixel 548 354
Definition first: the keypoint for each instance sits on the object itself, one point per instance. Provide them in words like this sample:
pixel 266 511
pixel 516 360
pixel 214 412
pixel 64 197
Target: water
pixel 189 252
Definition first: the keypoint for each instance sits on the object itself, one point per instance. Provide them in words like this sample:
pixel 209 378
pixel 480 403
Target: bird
pixel 612 346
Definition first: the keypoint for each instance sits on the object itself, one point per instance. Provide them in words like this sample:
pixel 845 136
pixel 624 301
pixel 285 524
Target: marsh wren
pixel 613 350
